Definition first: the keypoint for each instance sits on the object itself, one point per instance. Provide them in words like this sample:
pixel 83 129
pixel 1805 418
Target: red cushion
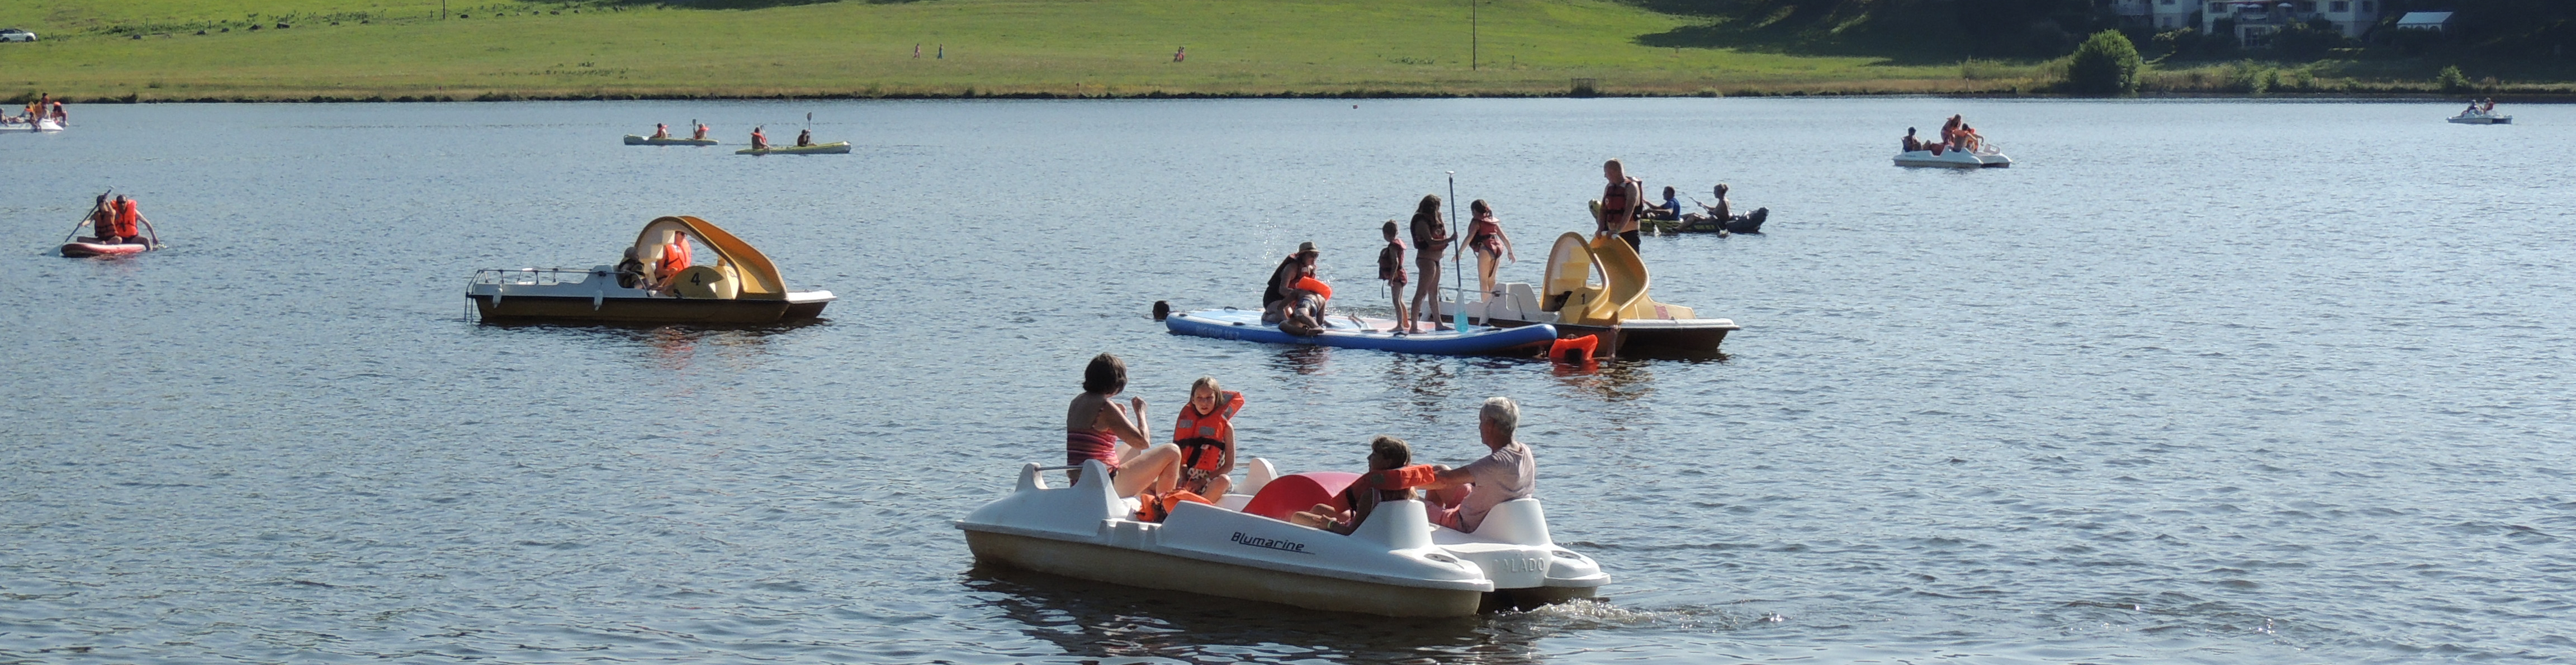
pixel 1289 494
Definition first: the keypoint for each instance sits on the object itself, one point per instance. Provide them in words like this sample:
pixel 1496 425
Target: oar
pixel 84 220
pixel 1457 264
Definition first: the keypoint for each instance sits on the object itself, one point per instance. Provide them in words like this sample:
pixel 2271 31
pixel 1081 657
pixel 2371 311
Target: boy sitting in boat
pixel 805 138
pixel 1385 453
pixel 661 131
pixel 1508 472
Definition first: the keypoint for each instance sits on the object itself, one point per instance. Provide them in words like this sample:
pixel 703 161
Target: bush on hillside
pixel 2310 40
pixel 2105 65
pixel 2451 81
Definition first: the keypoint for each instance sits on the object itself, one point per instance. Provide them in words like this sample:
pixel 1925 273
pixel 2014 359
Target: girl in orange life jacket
pixel 1205 435
pixel 759 140
pixel 702 130
pixel 675 258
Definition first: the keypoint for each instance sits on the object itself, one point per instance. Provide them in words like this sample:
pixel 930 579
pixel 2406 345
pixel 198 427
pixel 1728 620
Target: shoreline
pixel 2337 96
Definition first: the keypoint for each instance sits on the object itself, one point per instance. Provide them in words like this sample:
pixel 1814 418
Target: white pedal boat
pixel 40 125
pixel 741 286
pixel 1395 564
pixel 1596 288
pixel 2479 118
pixel 1957 159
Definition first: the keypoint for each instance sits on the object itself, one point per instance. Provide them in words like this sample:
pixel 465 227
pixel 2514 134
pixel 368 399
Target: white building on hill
pixel 2257 20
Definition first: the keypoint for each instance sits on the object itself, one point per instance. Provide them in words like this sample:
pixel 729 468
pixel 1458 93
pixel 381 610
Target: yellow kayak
pixel 833 148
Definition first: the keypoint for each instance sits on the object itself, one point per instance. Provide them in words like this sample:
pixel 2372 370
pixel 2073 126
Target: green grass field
pixel 394 49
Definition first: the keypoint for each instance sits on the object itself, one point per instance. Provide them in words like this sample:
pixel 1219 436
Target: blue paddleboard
pixel 1245 324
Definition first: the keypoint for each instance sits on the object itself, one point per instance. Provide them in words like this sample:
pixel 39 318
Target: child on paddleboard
pixel 1390 267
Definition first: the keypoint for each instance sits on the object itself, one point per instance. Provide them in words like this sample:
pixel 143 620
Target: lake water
pixel 2214 382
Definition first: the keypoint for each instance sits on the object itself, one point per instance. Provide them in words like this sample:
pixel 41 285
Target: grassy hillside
pixel 399 48
pixel 151 50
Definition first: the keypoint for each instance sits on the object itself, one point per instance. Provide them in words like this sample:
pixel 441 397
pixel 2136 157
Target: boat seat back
pixel 1518 521
pixel 1256 474
pixel 706 283
pixel 1294 492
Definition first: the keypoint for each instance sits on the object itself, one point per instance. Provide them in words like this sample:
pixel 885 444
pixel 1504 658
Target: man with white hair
pixel 1508 472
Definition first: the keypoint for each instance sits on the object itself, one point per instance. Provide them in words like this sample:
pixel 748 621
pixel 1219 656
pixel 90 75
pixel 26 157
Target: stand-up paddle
pixel 1457 278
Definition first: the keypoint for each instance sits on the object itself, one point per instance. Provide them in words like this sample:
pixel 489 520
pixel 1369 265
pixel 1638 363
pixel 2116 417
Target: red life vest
pixel 128 219
pixel 1202 436
pixel 675 258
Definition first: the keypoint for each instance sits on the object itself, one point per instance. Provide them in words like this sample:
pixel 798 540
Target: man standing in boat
pixel 1619 202
pixel 1508 471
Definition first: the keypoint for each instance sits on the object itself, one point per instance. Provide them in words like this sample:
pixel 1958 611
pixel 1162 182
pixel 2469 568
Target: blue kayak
pixel 1365 333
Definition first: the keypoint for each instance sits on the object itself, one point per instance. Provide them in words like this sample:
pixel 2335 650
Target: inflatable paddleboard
pixel 1243 324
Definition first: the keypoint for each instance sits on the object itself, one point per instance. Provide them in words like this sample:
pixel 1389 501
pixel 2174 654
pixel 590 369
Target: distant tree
pixel 2105 65
pixel 2308 41
pixel 2451 81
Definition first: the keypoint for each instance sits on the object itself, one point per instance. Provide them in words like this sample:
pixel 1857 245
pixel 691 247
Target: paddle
pixel 1457 262
pixel 84 220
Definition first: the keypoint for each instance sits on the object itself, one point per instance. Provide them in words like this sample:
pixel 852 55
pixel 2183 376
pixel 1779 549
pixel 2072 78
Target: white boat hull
pixel 2482 119
pixel 1149 570
pixel 43 125
pixel 1955 159
pixel 1395 563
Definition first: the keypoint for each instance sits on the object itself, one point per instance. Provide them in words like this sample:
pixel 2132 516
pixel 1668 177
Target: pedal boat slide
pixel 1598 287
pixel 1395 564
pixel 741 287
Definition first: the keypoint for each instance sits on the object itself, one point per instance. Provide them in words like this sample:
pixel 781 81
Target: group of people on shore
pixel 1955 135
pixel 1197 464
pixel 117 222
pixel 45 107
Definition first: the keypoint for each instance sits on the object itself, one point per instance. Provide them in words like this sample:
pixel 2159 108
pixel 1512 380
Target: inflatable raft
pixel 632 139
pixel 1242 324
pixel 1395 563
pixel 833 148
pixel 86 246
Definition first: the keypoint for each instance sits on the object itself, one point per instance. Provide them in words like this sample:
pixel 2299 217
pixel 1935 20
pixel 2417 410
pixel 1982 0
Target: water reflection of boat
pixel 1088 620
pixel 1617 307
pixel 1396 563
pixel 742 287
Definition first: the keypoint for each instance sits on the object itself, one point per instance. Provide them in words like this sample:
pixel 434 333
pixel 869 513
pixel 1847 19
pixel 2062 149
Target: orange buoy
pixel 1574 350
pixel 1315 285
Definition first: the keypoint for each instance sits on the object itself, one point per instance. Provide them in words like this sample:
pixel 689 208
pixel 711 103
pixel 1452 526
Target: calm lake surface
pixel 2222 382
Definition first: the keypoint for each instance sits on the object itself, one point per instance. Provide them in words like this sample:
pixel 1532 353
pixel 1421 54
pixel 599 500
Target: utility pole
pixel 1471 42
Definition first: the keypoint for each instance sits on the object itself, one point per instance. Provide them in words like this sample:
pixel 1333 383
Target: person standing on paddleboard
pixel 1431 238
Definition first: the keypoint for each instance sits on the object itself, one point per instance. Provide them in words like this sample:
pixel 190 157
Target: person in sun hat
pixel 1283 303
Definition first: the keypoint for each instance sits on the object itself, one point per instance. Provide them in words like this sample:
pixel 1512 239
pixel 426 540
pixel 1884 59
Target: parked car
pixel 16 35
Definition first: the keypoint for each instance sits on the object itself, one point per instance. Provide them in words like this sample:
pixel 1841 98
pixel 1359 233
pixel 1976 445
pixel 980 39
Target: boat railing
pixel 534 276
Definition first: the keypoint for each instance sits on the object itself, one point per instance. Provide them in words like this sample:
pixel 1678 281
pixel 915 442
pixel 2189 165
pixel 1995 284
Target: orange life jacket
pixel 128 219
pixel 1155 508
pixel 759 140
pixel 675 258
pixel 1315 286
pixel 1202 437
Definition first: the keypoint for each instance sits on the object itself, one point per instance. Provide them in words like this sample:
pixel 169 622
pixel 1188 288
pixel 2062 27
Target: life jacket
pixel 128 220
pixel 700 133
pixel 1278 288
pixel 759 140
pixel 1315 286
pixel 675 258
pixel 1202 437
pixel 1615 204
pixel 1151 508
